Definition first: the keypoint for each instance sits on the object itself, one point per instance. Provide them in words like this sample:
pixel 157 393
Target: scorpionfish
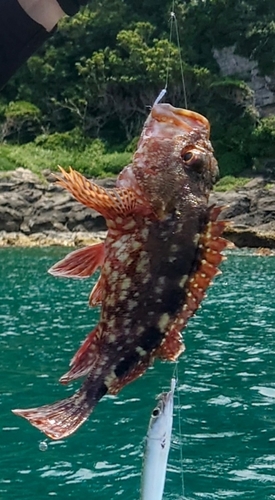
pixel 162 249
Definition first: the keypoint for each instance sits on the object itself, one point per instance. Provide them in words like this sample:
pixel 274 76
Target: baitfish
pixel 157 447
pixel 162 249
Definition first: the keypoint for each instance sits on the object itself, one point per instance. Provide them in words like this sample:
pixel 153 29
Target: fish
pixel 162 250
pixel 158 441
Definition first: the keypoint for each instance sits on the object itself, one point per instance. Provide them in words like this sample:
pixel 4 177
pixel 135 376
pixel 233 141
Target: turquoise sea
pixel 225 404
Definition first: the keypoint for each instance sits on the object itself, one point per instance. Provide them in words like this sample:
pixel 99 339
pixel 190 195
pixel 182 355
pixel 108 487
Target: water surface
pixel 225 410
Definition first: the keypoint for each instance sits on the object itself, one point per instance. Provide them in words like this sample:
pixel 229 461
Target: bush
pixel 263 139
pixel 113 163
pixel 92 161
pixel 74 139
pixel 230 182
pixel 231 163
pixel 20 122
pixel 6 163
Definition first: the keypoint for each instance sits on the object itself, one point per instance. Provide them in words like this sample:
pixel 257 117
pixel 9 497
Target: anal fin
pixel 85 358
pixel 95 298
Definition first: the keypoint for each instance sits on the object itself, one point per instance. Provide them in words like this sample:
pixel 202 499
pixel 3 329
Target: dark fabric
pixel 71 7
pixel 20 37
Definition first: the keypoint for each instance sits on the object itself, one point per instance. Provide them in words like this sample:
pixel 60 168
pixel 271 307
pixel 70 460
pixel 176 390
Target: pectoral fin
pixel 110 203
pixel 80 263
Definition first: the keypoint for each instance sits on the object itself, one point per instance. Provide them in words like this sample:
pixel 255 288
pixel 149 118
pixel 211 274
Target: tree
pixel 105 66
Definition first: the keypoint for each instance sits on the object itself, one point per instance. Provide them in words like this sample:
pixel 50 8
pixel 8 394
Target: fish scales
pixel 162 249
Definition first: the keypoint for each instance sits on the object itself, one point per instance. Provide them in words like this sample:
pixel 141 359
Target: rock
pixel 235 203
pixel 10 220
pixel 249 237
pixel 31 204
pixel 256 183
pixel 262 86
pixel 252 212
pixel 36 212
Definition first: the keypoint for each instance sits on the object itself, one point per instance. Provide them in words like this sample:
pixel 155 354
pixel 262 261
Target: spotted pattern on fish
pixel 161 252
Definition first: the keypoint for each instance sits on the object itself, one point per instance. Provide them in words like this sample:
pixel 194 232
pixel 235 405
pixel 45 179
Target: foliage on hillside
pixel 93 81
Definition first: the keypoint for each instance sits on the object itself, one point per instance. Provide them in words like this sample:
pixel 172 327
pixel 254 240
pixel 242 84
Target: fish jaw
pixel 166 121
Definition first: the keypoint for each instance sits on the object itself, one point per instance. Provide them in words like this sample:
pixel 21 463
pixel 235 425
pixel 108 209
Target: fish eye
pixel 187 157
pixel 193 159
pixel 156 412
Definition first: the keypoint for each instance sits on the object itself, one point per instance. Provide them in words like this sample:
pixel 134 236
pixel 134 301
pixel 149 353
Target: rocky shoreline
pixel 34 211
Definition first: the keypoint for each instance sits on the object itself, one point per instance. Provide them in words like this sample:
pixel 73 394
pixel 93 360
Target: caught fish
pixel 158 442
pixel 162 249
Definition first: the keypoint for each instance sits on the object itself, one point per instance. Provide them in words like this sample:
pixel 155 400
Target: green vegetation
pixel 93 160
pixel 230 182
pixel 83 98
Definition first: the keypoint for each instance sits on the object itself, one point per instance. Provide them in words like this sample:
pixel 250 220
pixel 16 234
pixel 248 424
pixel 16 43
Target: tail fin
pixel 60 419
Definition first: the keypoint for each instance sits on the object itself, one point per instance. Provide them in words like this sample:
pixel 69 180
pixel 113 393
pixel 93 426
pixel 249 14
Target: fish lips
pixel 170 121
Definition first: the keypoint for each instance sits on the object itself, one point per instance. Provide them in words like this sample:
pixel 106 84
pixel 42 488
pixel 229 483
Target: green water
pixel 227 390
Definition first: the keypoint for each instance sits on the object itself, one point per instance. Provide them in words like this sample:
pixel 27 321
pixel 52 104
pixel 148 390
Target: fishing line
pixel 173 22
pixel 176 376
pixel 180 59
pixel 164 90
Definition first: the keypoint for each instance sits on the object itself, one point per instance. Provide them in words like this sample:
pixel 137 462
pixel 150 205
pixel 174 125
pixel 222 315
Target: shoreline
pixel 264 242
pixel 50 239
pixel 34 212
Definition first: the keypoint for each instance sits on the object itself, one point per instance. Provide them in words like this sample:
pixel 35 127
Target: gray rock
pixel 256 183
pixel 10 220
pixel 30 205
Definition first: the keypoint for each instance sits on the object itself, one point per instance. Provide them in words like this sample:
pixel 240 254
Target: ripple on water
pixel 226 390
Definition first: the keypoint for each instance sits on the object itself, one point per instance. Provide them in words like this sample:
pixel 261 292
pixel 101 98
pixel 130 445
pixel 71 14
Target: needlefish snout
pixel 157 448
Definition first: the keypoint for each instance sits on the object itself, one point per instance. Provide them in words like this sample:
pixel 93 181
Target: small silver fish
pixel 157 447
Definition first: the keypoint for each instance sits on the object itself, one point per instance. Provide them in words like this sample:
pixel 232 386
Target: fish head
pixel 161 416
pixel 174 158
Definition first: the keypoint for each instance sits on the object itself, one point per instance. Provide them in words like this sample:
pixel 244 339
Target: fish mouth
pixel 183 119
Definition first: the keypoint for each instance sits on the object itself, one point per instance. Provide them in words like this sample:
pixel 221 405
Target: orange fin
pixel 85 358
pixel 80 263
pixel 172 346
pixel 108 202
pixel 95 298
pixel 211 245
pixel 60 419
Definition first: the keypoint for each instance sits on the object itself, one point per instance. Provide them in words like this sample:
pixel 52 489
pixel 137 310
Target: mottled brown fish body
pixel 162 249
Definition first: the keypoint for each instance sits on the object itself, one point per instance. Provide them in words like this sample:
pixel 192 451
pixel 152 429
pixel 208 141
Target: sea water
pixel 225 405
